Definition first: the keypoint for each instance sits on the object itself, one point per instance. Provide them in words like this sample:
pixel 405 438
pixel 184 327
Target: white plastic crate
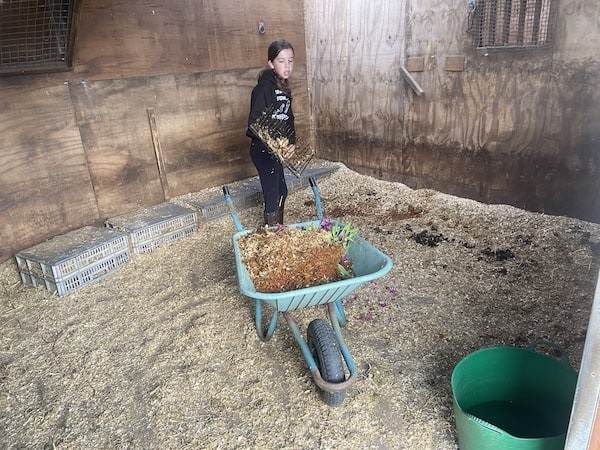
pixel 218 208
pixel 154 243
pixel 152 227
pixel 72 260
pixel 82 277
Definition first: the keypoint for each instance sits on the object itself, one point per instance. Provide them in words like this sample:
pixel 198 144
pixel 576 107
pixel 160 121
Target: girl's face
pixel 283 64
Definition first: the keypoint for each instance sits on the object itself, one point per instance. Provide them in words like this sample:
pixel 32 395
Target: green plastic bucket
pixel 509 398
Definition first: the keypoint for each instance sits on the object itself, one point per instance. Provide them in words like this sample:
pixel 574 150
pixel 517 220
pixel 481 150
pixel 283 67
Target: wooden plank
pixel 235 41
pixel 455 63
pixel 45 186
pixel 202 120
pixel 162 173
pixel 124 39
pixel 415 64
pixel 356 83
pixel 114 130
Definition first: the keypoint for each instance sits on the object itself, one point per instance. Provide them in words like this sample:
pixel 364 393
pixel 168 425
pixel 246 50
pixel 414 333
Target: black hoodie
pixel 266 94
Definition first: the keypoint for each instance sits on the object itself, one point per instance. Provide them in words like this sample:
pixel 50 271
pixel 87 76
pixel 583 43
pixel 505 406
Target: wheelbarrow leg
pixel 312 363
pixel 333 317
pixel 340 313
pixel 264 335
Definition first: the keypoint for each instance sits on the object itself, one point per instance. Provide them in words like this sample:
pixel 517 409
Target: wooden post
pixel 162 173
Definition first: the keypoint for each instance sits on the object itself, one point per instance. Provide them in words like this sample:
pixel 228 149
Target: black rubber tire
pixel 324 348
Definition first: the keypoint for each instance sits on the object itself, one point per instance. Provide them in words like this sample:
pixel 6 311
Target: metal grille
pixel 513 23
pixel 277 135
pixel 34 34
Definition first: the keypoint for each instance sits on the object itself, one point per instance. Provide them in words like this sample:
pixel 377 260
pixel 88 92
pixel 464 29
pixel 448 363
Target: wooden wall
pixel 514 127
pixel 79 147
pixel 517 127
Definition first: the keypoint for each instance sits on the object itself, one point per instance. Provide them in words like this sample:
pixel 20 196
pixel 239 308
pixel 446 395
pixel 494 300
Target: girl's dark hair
pixel 274 49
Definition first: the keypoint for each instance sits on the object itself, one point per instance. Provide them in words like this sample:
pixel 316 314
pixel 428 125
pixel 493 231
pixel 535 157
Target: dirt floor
pixel 164 353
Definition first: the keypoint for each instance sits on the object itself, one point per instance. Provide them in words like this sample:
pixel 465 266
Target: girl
pixel 273 91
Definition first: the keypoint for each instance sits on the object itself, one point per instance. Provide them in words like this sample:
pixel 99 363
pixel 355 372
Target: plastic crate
pixel 70 252
pixel 218 208
pixel 153 244
pixel 152 227
pixel 82 277
pixel 72 260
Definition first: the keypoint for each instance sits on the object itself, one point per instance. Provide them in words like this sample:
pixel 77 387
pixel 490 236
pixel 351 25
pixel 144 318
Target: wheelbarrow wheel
pixel 324 348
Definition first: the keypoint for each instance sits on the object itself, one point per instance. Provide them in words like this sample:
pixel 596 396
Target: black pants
pixel 272 177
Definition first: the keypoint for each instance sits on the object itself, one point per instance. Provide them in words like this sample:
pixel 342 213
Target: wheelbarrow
pixel 324 348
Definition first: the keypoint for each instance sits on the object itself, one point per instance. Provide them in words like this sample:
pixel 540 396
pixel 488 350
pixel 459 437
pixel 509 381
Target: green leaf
pixel 343 271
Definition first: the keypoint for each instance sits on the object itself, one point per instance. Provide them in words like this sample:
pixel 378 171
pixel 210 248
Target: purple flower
pixel 364 317
pixel 326 224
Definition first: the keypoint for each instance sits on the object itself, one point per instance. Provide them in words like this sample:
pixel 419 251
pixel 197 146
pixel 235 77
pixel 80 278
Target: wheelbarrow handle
pixel 318 205
pixel 229 202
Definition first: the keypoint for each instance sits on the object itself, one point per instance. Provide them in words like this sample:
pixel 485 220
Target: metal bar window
pixel 34 35
pixel 513 23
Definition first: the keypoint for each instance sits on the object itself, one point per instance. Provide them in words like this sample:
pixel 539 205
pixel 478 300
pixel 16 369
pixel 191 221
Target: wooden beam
pixel 162 173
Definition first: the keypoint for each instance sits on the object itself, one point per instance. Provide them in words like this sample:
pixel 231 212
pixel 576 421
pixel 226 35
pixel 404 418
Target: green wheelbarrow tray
pixel 368 263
